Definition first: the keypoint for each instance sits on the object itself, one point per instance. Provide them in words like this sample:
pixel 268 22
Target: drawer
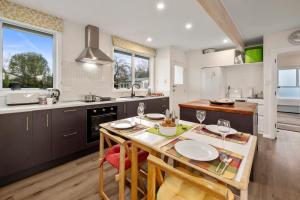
pixel 68 119
pixel 67 142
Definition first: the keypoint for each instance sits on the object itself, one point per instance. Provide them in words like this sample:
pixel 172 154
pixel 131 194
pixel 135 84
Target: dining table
pixel 157 145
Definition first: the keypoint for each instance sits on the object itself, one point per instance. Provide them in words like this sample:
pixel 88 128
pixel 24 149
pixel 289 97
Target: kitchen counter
pixel 35 107
pixel 242 115
pixel 244 108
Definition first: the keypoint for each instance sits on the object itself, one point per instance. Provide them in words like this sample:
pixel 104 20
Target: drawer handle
pixel 71 134
pixel 72 110
pixel 47 116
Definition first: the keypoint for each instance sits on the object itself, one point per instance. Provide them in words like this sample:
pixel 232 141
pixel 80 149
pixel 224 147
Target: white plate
pixel 196 150
pixel 122 124
pixel 214 128
pixel 155 116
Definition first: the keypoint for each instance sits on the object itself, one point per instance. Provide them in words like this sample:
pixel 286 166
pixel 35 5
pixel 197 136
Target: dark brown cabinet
pixel 159 105
pixel 68 131
pixel 131 108
pixel 15 143
pixel 42 149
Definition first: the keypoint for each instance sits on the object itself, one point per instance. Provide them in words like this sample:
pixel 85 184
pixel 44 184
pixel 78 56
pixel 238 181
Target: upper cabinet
pixel 219 58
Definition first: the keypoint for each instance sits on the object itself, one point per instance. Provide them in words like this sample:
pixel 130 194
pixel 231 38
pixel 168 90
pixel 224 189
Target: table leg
pixel 244 194
pixel 134 172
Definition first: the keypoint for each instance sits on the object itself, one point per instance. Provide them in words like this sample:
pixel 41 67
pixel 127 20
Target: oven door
pixel 93 125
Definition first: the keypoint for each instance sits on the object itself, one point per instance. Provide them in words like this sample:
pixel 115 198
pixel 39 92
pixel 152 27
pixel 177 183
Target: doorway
pixel 288 91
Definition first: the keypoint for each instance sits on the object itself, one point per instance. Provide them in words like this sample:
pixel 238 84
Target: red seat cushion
pixel 113 157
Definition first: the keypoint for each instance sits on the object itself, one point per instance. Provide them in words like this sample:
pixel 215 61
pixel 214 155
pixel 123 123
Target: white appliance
pixel 19 98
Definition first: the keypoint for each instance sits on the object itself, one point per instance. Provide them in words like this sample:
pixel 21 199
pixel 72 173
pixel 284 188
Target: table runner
pixel 240 138
pixel 211 166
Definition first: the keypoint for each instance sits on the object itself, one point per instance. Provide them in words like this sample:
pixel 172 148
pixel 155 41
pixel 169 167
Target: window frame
pixel 297 77
pixel 133 54
pixel 55 52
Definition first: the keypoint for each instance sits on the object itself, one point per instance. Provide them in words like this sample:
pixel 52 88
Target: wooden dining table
pixel 153 143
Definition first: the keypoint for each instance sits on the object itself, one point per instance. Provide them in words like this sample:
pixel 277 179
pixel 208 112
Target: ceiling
pixel 138 19
pixel 254 18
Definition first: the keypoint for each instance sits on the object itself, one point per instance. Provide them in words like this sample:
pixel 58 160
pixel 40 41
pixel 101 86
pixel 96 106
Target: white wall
pixel 244 77
pixel 289 59
pixel 212 82
pixel 273 44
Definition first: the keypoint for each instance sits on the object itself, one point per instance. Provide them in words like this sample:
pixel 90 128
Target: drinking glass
pixel 200 114
pixel 224 129
pixel 140 111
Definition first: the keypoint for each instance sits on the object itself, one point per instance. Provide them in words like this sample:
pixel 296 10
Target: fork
pixel 227 162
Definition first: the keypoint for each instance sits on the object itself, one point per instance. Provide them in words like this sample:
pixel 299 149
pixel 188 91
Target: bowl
pixel 167 131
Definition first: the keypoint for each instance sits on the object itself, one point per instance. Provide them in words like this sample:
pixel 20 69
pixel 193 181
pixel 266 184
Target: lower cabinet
pixel 15 143
pixel 42 149
pixel 68 131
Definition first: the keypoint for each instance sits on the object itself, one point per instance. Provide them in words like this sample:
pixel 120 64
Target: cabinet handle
pixel 27 124
pixel 71 134
pixel 47 120
pixel 72 110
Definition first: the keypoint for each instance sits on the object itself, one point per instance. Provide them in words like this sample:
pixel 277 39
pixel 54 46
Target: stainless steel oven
pixel 97 116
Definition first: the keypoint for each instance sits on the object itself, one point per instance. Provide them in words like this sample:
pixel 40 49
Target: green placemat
pixel 180 129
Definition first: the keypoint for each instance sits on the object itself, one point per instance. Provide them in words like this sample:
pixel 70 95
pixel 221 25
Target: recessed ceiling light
pixel 149 39
pixel 160 6
pixel 188 26
pixel 225 41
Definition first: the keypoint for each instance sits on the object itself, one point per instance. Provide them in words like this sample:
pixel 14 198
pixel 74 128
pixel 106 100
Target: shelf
pixel 239 65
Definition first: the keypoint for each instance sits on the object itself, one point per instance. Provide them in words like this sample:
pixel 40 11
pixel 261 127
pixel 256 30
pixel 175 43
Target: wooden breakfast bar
pixel 242 115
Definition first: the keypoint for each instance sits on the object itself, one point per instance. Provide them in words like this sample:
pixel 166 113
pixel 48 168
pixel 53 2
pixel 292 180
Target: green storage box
pixel 254 54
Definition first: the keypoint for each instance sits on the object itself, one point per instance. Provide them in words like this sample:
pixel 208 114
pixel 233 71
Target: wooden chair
pixel 181 184
pixel 118 156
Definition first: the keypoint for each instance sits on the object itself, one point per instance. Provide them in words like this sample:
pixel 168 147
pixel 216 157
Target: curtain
pixel 132 46
pixel 30 16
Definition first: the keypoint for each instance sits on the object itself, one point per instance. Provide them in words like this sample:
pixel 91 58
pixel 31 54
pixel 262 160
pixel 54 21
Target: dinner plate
pixel 122 124
pixel 155 116
pixel 214 128
pixel 196 150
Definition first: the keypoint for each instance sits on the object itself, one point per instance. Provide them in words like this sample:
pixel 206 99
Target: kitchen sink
pixel 130 97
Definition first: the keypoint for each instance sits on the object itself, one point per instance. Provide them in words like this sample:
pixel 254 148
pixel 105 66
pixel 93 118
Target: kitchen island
pixel 242 115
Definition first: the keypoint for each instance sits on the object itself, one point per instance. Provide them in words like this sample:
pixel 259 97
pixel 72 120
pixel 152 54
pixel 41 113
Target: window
pixel 289 83
pixel 129 69
pixel 178 75
pixel 287 78
pixel 27 57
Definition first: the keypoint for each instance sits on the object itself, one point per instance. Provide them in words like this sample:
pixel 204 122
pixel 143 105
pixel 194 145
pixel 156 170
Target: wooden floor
pixel 277 175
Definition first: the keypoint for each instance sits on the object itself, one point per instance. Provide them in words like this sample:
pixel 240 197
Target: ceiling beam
pixel 216 10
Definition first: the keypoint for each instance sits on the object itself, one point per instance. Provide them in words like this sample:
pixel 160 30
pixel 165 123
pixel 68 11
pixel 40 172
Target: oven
pixel 98 116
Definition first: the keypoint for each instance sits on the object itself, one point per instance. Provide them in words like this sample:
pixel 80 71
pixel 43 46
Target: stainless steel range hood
pixel 92 53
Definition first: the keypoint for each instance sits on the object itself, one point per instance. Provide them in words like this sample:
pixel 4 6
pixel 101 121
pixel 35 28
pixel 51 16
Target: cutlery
pixel 223 158
pixel 228 161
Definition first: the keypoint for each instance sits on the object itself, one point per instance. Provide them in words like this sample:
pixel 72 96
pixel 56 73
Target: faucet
pixel 132 86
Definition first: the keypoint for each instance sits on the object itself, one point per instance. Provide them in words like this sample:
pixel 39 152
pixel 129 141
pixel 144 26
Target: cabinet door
pixel 131 108
pixel 157 105
pixel 15 143
pixel 68 131
pixel 41 136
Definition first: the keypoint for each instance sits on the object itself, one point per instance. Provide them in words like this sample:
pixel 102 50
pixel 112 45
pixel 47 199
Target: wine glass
pixel 140 111
pixel 201 114
pixel 224 129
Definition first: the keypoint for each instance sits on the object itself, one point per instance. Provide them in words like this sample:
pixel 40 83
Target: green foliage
pixel 31 70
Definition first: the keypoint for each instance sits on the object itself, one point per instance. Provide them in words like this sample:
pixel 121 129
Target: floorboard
pixel 276 175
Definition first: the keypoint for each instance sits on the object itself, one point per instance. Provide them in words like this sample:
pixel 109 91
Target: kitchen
pixel 104 71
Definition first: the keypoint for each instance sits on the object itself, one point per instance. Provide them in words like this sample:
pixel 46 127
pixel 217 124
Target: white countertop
pixel 35 107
